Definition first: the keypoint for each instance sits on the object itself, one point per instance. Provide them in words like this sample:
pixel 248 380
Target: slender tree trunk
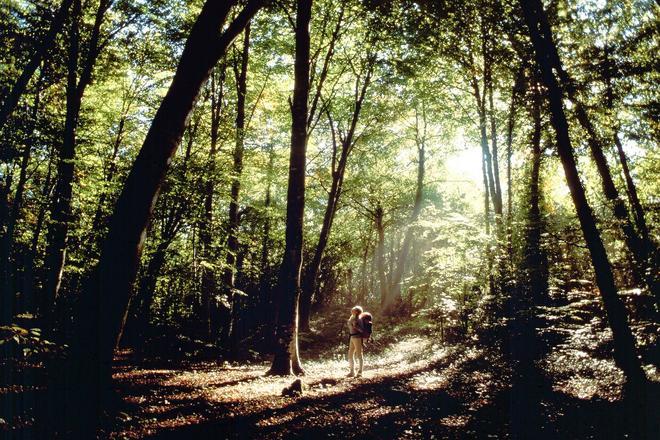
pixel 509 154
pixel 380 257
pixel 7 312
pixel 267 304
pixel 28 273
pixel 9 217
pixel 311 274
pixel 495 153
pixel 108 289
pixel 624 344
pixel 643 268
pixel 60 210
pixel 61 204
pixel 145 296
pixel 206 226
pixel 42 49
pixel 286 359
pixel 633 197
pixel 486 194
pixel 363 270
pixel 649 250
pixel 535 259
pixel 489 179
pixel 233 224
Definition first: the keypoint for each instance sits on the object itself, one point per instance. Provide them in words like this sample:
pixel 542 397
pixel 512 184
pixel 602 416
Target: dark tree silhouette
pixel 286 359
pixel 40 52
pixel 104 299
pixel 624 345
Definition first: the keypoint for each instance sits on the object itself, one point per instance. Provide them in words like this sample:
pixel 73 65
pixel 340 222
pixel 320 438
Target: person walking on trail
pixel 355 330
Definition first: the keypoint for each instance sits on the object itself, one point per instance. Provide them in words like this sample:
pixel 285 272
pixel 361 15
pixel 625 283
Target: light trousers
pixel 355 351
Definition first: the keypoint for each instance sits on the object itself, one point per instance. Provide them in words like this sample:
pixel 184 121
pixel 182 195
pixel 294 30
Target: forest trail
pixel 413 386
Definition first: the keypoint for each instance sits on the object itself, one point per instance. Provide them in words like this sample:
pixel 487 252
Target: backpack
pixel 367 325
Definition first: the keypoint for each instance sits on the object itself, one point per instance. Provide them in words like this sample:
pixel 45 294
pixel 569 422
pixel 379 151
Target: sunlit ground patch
pixel 454 421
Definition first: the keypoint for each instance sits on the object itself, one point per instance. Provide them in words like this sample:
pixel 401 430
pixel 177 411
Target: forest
pixel 194 194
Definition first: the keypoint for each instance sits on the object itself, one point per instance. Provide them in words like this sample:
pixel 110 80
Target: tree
pixel 286 359
pixel 209 324
pixel 41 50
pixel 109 287
pixel 624 345
pixel 60 210
pixel 232 227
pixel 343 143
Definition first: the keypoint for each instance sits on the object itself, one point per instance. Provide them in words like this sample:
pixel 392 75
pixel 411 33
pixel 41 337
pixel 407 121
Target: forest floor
pixel 413 386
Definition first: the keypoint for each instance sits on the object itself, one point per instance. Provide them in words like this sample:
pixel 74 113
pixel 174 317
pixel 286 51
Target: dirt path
pixel 413 389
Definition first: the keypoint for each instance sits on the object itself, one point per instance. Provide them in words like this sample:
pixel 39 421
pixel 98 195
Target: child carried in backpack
pixel 359 328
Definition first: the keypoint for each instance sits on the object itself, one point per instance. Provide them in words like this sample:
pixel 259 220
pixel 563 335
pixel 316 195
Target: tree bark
pixel 267 305
pixel 228 276
pixel 286 359
pixel 624 344
pixel 209 326
pixel 108 289
pixel 535 258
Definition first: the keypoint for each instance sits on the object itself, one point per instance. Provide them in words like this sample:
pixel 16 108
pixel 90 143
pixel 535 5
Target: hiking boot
pixel 359 374
pixel 351 374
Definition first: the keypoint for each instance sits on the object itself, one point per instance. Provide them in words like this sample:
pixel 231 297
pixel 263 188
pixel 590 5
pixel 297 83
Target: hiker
pixel 355 330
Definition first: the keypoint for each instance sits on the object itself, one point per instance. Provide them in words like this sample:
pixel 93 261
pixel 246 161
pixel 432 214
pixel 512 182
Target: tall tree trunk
pixel 515 90
pixel 535 258
pixel 10 216
pixel 649 250
pixel 286 359
pixel 380 254
pixel 642 266
pixel 60 210
pixel 497 199
pixel 624 344
pixel 7 300
pixel 144 297
pixel 267 318
pixel 206 225
pixel 484 173
pixel 108 289
pixel 42 49
pixel 61 204
pixel 28 272
pixel 311 274
pixel 228 275
pixel 487 165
